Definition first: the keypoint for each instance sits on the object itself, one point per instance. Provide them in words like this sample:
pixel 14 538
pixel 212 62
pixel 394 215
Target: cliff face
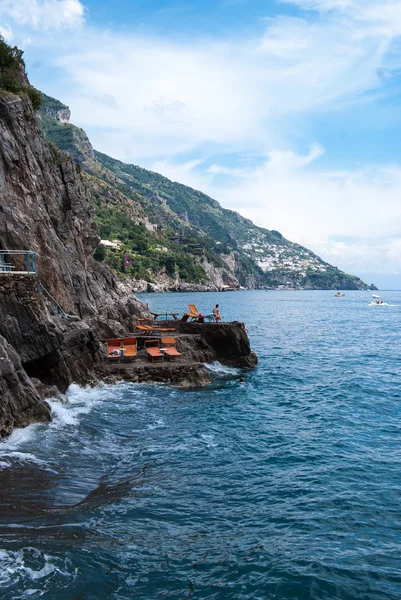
pixel 55 110
pixel 45 207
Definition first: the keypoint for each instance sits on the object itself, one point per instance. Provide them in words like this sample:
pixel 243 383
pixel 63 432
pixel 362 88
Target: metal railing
pixel 56 307
pixel 25 262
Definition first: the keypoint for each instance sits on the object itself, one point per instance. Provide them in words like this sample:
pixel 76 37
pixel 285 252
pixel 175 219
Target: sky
pixel 287 111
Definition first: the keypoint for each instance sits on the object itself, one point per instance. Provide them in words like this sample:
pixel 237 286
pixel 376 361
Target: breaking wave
pixel 219 369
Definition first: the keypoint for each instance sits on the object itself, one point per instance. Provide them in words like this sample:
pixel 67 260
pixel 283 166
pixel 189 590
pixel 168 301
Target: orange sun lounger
pixel 169 347
pixel 153 350
pixel 130 349
pixel 192 314
pixel 193 310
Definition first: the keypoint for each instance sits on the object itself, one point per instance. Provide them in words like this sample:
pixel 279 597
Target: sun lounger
pixel 193 310
pixel 153 350
pixel 130 349
pixel 192 314
pixel 169 347
pixel 113 344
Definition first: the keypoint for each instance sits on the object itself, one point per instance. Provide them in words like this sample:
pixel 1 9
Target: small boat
pixel 378 301
pixel 339 295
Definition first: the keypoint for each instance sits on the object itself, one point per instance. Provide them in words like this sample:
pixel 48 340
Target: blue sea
pixel 284 487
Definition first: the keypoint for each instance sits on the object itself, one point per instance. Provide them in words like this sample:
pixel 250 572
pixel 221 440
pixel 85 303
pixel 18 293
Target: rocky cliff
pixel 20 402
pixel 53 324
pixel 46 208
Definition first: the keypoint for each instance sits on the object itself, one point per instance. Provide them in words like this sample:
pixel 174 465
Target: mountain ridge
pixel 193 242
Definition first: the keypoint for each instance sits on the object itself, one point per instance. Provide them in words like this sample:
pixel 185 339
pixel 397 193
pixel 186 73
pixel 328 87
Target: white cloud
pixel 151 100
pixel 383 16
pixel 7 32
pixel 46 14
pixel 364 256
pixel 170 98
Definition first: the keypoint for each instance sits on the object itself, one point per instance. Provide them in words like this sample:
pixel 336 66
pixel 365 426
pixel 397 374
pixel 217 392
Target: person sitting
pixel 216 314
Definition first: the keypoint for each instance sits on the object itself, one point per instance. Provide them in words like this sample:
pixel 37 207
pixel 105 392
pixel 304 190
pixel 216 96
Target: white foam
pixel 80 401
pixel 219 369
pixel 159 424
pixel 24 456
pixel 19 437
pixel 62 415
pixel 208 439
pixel 29 565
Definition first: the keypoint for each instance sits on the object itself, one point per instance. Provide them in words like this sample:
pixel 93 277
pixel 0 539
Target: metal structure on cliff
pixel 20 259
pixel 56 307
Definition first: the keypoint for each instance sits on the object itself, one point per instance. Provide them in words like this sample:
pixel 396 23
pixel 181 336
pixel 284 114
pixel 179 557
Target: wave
pixel 220 369
pixel 33 570
pixel 79 401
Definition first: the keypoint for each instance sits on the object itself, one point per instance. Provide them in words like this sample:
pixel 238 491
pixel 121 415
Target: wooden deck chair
pixel 153 350
pixel 130 349
pixel 169 347
pixel 112 345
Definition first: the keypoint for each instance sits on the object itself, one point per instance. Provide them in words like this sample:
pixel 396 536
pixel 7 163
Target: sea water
pixel 286 486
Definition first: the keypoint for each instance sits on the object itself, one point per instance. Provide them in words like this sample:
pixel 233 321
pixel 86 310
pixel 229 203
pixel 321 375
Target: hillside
pixel 175 237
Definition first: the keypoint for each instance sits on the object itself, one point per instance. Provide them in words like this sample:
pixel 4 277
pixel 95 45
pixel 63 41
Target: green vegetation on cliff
pixel 12 74
pixel 144 253
pixel 166 227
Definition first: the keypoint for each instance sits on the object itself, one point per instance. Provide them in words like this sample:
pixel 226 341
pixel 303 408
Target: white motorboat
pixel 378 301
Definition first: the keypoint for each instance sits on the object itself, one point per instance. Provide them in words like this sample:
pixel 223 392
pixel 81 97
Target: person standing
pixel 216 314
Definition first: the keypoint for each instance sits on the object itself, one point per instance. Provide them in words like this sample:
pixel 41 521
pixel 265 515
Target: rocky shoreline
pixel 198 344
pixel 54 323
pixel 163 286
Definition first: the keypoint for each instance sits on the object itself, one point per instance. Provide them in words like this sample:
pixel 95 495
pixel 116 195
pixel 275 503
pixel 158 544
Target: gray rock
pixel 20 403
pixel 45 207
